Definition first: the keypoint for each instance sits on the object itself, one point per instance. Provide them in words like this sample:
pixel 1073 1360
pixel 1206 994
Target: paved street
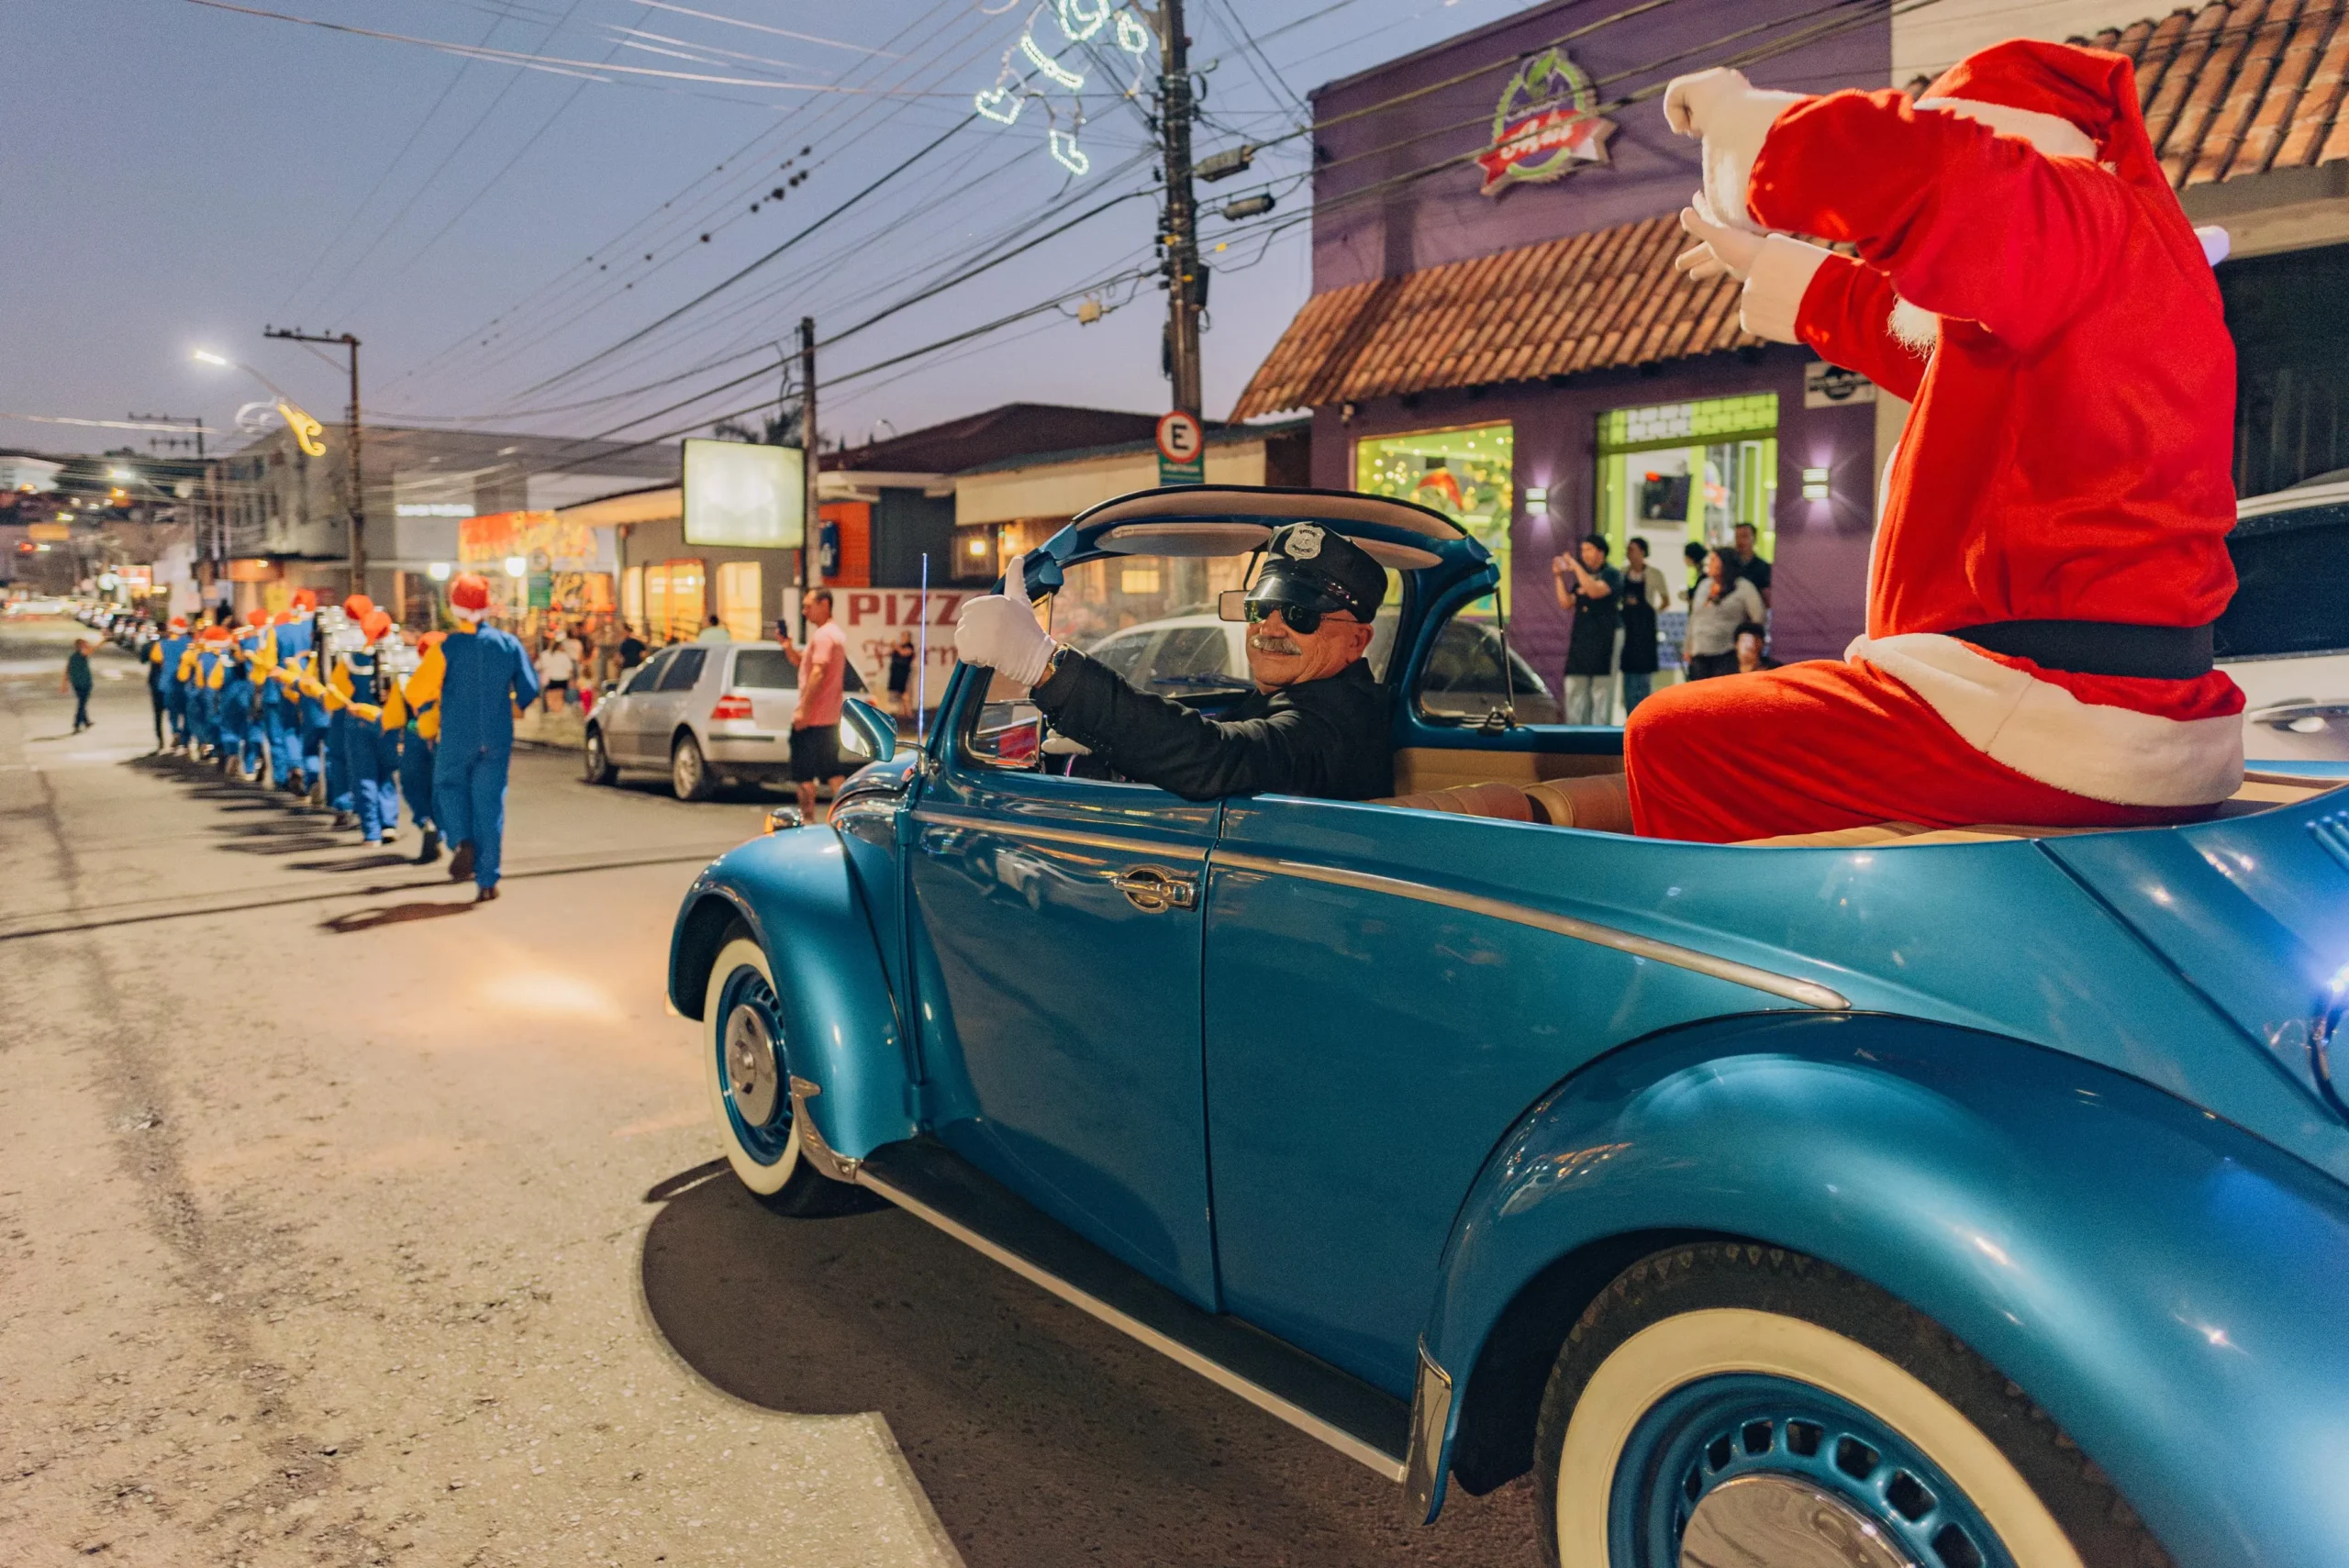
pixel 344 1222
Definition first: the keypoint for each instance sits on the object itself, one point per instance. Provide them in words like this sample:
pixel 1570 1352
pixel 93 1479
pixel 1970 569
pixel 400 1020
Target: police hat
pixel 1316 567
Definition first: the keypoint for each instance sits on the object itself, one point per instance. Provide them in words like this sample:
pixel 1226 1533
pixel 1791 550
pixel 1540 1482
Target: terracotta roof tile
pixel 1585 302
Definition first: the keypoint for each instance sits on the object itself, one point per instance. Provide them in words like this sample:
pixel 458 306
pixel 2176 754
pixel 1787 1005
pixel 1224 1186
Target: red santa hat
pixel 306 600
pixel 179 623
pixel 469 596
pixel 2068 102
pixel 282 617
pixel 256 617
pixel 357 605
pixel 376 623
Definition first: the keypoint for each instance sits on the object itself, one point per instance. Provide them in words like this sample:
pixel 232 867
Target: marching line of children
pixel 339 709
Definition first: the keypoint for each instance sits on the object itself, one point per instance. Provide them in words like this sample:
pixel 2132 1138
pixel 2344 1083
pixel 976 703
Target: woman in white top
pixel 556 668
pixel 1721 602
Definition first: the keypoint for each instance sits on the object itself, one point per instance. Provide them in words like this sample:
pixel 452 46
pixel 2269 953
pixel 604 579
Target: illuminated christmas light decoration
pixel 1028 71
pixel 1048 66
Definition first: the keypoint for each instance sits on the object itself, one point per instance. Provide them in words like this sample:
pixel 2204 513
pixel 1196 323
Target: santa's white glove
pixel 1721 251
pixel 998 631
pixel 1733 116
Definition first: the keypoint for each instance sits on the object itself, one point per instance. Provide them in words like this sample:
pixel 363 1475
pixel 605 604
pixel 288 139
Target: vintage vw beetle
pixel 1943 1199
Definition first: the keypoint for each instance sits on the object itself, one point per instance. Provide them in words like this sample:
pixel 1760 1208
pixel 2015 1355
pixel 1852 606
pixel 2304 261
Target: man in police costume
pixel 1315 725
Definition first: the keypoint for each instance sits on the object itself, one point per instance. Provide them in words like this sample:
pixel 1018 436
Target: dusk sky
pixel 181 174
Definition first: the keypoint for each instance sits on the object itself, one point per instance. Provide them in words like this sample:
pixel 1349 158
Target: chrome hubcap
pixel 1778 1521
pixel 750 1076
pixel 689 766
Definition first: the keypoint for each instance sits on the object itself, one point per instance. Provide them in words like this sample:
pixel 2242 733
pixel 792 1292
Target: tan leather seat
pixel 1599 803
pixel 1505 801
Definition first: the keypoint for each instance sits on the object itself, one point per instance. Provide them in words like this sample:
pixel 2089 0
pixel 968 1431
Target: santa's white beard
pixel 1917 328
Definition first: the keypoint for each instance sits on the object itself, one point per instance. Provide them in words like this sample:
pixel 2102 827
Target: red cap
pixel 256 617
pixel 216 633
pixel 179 623
pixel 357 605
pixel 306 600
pixel 469 592
pixel 376 623
pixel 2091 88
pixel 282 617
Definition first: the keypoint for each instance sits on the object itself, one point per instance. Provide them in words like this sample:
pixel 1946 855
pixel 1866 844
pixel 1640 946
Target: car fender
pixel 2171 1290
pixel 841 1028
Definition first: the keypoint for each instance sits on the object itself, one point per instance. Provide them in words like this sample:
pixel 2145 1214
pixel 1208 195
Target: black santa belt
pixel 2097 647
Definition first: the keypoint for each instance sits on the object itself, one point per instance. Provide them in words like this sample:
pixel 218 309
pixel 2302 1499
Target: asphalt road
pixel 342 1221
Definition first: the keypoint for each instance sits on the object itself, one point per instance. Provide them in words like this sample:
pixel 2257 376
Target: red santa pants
pixel 1829 744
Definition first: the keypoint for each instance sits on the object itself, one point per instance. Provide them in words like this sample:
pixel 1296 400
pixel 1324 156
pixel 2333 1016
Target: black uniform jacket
pixel 1327 738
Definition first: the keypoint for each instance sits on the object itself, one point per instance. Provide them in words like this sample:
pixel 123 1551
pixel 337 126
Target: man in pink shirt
pixel 815 726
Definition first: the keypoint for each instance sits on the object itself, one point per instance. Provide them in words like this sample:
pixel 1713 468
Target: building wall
pixel 1363 229
pixel 1820 578
pixel 908 524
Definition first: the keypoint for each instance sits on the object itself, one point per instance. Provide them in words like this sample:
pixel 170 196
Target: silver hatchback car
pixel 709 713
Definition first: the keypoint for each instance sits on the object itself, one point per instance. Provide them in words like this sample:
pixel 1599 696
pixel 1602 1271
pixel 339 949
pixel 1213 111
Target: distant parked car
pixel 26 608
pixel 2286 638
pixel 709 714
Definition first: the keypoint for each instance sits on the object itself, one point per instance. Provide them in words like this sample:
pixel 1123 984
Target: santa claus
pixel 2051 550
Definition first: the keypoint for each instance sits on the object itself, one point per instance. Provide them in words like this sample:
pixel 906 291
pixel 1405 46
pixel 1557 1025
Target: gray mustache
pixel 1273 645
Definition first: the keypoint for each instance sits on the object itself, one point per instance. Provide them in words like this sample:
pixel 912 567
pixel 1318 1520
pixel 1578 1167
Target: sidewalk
pixel 564 731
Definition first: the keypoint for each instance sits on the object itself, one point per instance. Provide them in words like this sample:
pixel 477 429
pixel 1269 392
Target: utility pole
pixel 1178 236
pixel 358 491
pixel 811 545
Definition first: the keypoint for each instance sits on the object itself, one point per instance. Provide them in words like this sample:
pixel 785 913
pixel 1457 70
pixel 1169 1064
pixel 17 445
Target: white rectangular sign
pixel 749 497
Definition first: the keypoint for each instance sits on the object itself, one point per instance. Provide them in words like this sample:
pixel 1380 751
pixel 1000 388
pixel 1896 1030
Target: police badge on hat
pixel 1309 564
pixel 1302 543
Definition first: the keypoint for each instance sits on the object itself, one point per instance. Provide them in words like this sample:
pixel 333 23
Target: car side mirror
pixel 1232 604
pixel 785 819
pixel 866 731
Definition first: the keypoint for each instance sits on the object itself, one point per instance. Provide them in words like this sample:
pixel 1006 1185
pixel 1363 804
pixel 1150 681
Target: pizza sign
pixel 1546 126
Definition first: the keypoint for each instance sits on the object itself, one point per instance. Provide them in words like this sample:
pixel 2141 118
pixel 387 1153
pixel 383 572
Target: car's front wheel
pixel 689 776
pixel 746 1059
pixel 1729 1403
pixel 596 765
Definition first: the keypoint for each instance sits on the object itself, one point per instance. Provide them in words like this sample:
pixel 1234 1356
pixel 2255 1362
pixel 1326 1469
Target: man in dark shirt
pixel 1315 725
pixel 1750 566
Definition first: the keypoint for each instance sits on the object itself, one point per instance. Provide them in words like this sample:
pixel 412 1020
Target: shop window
pixel 632 598
pixel 1463 473
pixel 673 600
pixel 740 607
pixel 1679 471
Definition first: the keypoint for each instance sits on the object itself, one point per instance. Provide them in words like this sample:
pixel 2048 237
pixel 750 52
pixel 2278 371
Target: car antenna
pixel 921 665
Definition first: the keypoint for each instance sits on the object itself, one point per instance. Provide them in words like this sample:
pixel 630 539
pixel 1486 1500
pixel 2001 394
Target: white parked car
pixel 707 714
pixel 2286 636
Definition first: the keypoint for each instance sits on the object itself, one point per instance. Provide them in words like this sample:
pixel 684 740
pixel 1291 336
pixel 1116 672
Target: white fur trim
pixel 1915 328
pixel 2052 134
pixel 471 617
pixel 2216 242
pixel 1773 289
pixel 2043 732
pixel 1736 125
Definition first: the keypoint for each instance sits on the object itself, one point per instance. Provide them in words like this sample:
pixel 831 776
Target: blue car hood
pixel 2251 911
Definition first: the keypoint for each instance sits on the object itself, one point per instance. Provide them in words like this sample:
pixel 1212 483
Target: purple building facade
pixel 1412 203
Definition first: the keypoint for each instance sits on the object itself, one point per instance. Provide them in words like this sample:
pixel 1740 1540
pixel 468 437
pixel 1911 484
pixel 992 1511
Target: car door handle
pixel 1154 890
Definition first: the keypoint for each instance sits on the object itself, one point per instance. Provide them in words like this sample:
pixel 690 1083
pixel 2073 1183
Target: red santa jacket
pixel 2069 453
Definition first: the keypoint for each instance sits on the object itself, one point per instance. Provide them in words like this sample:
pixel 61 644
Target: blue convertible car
pixel 1956 1199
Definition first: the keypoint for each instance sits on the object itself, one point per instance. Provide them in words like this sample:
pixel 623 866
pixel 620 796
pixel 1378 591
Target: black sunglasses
pixel 1302 619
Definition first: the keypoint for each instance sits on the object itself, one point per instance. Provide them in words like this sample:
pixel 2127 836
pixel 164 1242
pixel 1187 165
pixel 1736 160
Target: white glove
pixel 998 631
pixel 1721 249
pixel 1733 116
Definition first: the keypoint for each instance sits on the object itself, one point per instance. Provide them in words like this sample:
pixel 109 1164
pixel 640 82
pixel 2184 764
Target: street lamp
pixel 517 565
pixel 307 432
pixel 437 571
